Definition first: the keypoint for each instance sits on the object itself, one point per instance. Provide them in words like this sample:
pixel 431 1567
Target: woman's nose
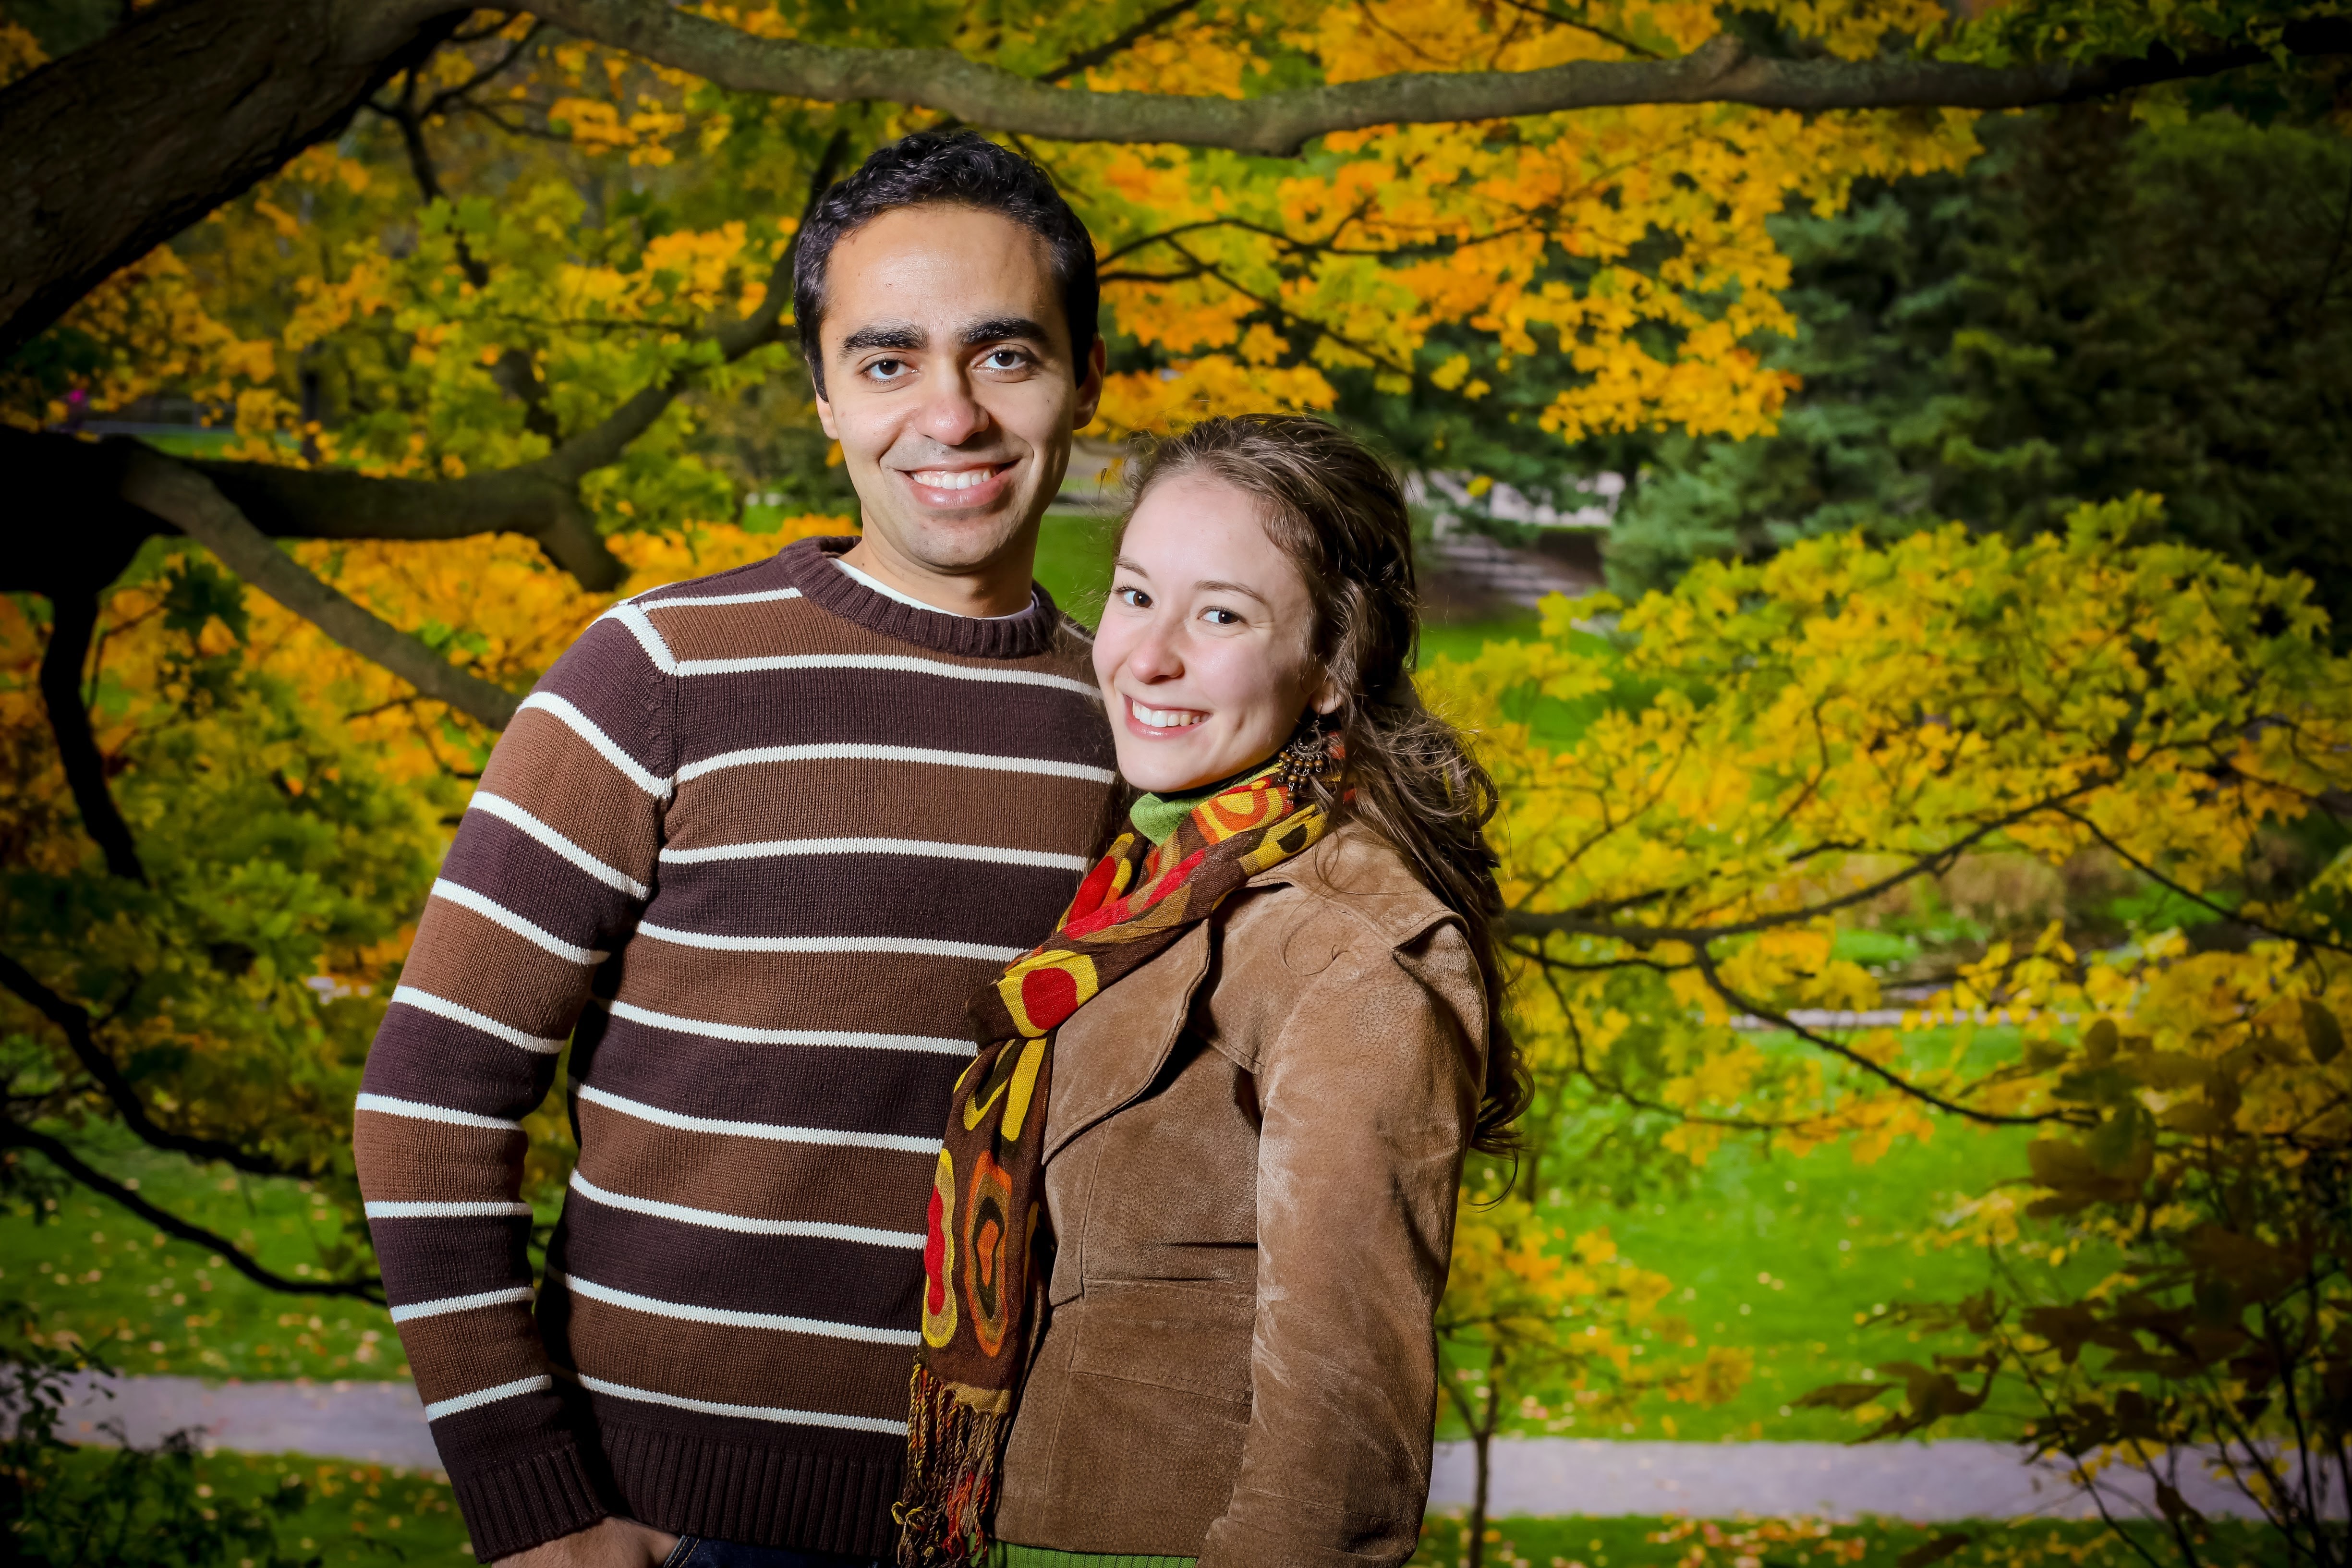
pixel 1155 656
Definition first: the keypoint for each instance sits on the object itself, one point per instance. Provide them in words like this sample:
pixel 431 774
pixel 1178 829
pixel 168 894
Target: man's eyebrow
pixel 900 335
pixel 999 328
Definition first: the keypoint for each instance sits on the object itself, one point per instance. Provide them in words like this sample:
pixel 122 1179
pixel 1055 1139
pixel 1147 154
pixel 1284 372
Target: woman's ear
pixel 1327 697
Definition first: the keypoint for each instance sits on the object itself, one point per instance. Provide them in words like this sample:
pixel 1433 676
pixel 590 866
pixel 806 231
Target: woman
pixel 1239 1080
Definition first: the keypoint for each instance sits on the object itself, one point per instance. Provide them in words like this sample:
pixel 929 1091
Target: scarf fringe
pixel 949 1495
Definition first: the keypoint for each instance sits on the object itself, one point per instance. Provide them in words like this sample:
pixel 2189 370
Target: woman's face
pixel 1202 653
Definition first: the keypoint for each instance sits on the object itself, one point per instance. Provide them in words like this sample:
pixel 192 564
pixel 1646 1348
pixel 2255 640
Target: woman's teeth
pixel 1169 719
pixel 952 479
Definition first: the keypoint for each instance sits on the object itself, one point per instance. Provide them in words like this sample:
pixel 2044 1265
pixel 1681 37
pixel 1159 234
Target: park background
pixel 1885 476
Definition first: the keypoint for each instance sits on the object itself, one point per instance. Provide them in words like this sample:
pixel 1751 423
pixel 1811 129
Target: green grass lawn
pixel 145 1303
pixel 378 1514
pixel 350 1513
pixel 1789 1258
pixel 1579 1543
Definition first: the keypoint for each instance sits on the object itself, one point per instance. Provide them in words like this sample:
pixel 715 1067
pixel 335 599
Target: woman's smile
pixel 1153 723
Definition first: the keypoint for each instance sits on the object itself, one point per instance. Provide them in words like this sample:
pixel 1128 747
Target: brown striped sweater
pixel 749 845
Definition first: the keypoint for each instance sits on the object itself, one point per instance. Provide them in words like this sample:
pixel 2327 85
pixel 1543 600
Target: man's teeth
pixel 953 478
pixel 1169 720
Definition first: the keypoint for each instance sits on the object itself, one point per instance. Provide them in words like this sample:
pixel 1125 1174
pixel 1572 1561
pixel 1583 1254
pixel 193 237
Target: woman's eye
pixel 1133 598
pixel 1217 617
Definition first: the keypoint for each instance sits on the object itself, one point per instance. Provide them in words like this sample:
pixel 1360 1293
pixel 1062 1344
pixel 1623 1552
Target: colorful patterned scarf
pixel 983 1285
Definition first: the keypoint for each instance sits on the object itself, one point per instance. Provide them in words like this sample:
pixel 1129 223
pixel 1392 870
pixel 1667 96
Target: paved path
pixel 1921 1481
pixel 384 1423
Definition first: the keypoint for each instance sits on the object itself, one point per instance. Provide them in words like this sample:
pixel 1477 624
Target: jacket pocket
pixel 1185 1338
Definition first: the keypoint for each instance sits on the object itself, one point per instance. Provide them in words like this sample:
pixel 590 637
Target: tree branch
pixel 15 1134
pixel 115 148
pixel 2307 939
pixel 1280 124
pixel 1525 922
pixel 73 1022
pixel 1086 60
pixel 604 442
pixel 1894 1079
pixel 185 497
pixel 73 618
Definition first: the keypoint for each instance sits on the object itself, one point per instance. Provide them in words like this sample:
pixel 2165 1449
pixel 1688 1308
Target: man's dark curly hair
pixel 962 168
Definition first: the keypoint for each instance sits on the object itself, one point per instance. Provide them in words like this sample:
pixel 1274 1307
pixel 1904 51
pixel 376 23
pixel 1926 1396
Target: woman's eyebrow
pixel 1213 586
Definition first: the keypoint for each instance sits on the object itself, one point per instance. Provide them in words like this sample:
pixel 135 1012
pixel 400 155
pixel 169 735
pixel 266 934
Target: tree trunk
pixel 1482 1446
pixel 109 151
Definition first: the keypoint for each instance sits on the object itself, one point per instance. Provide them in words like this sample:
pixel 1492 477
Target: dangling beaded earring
pixel 1308 756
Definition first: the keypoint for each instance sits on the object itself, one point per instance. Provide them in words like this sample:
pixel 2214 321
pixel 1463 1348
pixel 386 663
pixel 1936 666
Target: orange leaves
pixel 148 328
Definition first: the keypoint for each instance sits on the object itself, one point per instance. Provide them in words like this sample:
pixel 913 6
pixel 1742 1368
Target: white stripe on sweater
pixel 713 1219
pixel 931 849
pixel 447 1304
pixel 629 616
pixel 580 724
pixel 921 946
pixel 688 601
pixel 446 1211
pixel 747 1412
pixel 937 1044
pixel 505 810
pixel 841 751
pixel 416 1110
pixel 457 1012
pixel 726 1317
pixel 826 1137
pixel 438 1408
pixel 498 914
pixel 896 663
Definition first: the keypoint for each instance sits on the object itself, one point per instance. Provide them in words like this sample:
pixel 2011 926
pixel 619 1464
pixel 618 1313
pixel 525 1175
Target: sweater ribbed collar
pixel 808 566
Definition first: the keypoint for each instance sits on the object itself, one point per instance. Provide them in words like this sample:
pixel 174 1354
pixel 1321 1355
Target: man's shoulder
pixel 1071 647
pixel 769 579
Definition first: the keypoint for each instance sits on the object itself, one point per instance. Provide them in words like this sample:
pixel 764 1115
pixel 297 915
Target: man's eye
pixel 1006 359
pixel 886 369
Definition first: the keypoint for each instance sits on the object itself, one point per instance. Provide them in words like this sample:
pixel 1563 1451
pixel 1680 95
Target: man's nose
pixel 951 416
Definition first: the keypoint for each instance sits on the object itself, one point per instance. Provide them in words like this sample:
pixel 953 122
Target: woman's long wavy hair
pixel 1337 512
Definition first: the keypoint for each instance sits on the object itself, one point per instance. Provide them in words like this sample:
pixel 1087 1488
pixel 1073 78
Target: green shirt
pixel 1156 817
pixel 1005 1554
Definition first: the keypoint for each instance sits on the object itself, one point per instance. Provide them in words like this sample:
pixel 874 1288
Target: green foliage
pixel 238 987
pixel 2209 1151
pixel 132 1508
pixel 2092 309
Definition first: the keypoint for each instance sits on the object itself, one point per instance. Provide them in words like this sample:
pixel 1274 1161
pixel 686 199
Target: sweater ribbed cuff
pixel 516 1507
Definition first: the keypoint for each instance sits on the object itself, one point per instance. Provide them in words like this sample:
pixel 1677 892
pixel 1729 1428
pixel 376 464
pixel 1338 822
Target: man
pixel 759 836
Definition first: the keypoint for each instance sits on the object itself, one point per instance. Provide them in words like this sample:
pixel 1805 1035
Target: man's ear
pixel 1090 388
pixel 824 403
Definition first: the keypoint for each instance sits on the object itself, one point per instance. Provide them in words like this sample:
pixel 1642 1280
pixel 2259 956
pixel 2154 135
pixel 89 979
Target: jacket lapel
pixel 1114 1047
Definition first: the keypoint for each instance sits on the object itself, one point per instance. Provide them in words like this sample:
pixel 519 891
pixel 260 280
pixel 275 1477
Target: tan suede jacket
pixel 1253 1146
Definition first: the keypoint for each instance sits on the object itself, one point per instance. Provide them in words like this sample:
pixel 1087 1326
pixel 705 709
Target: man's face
pixel 948 383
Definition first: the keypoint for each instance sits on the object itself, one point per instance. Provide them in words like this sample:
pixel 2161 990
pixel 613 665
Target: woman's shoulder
pixel 1351 908
pixel 1355 884
pixel 1347 925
